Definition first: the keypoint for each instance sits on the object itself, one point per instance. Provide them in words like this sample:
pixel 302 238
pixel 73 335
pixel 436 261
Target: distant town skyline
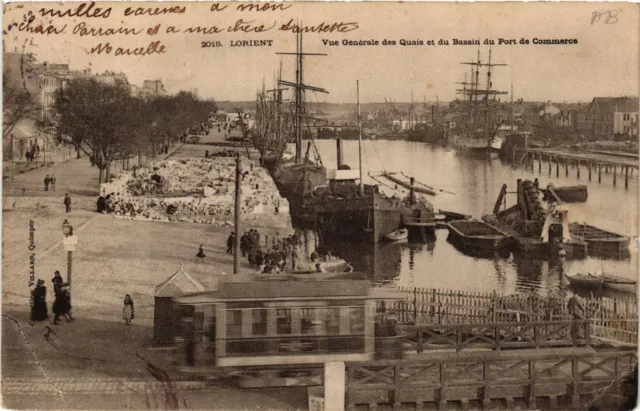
pixel 603 63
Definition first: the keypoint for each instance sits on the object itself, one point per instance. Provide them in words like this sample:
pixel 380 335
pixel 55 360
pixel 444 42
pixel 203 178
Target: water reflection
pixel 476 184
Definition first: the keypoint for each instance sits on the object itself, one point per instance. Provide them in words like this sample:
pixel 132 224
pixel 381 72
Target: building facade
pixel 607 117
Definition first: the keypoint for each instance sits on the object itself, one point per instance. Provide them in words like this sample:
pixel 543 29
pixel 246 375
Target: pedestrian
pixel 575 308
pixel 102 205
pixel 39 308
pixel 52 182
pixel 200 256
pixel 128 312
pixel 62 305
pixel 57 282
pixel 230 242
pixel 294 257
pixel 28 156
pixel 47 180
pixel 206 154
pixel 244 243
pixel 67 202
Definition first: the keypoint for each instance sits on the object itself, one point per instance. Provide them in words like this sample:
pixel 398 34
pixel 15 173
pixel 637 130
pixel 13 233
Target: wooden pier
pixel 560 378
pixel 595 162
pixel 495 336
pixel 612 319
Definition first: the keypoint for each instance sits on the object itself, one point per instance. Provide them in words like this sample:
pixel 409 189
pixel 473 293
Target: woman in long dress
pixel 128 312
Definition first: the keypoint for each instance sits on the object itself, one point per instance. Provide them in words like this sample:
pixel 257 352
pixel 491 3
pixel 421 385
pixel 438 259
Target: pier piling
pixel 619 163
pixel 533 160
pixel 599 173
pixel 540 164
pixel 626 177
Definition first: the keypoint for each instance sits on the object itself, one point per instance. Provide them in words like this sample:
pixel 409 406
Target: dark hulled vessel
pixel 336 207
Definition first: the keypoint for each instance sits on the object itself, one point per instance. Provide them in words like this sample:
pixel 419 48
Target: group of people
pixel 61 305
pixel 271 259
pixel 50 182
pixel 32 153
pixel 105 204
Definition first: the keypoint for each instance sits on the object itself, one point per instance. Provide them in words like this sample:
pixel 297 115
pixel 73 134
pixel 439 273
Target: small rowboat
pixel 585 280
pixel 398 235
pixel 620 284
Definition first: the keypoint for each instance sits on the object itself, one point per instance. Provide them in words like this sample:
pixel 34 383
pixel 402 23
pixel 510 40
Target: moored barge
pixel 600 242
pixel 571 194
pixel 478 235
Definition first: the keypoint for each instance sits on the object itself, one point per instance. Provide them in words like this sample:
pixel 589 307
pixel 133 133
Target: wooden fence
pixel 495 336
pixel 537 379
pixel 613 319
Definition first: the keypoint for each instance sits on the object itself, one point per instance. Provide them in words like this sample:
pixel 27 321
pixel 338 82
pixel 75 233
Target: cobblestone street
pixel 114 256
pixel 92 363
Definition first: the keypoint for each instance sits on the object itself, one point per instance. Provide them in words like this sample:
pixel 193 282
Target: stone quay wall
pixel 198 191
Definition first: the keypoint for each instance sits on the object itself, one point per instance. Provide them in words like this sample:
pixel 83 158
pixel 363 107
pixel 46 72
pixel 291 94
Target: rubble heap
pixel 198 191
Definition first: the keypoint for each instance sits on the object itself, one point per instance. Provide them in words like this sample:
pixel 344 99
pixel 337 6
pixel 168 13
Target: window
pixel 259 322
pixel 283 321
pixel 234 323
pixel 332 320
pixel 357 320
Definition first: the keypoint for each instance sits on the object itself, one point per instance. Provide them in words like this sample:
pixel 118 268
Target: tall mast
pixel 279 105
pixel 300 87
pixel 298 99
pixel 488 94
pixel 511 107
pixel 486 115
pixel 359 137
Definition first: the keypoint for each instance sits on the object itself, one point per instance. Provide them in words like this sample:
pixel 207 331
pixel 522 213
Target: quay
pixel 594 161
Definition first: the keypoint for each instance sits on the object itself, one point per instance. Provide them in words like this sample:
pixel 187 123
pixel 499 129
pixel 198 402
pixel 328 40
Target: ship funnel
pixel 339 152
pixel 412 193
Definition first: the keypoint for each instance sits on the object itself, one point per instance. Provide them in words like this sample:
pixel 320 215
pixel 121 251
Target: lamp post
pixel 69 241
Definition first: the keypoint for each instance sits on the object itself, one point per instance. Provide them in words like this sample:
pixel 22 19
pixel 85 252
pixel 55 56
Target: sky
pixel 603 63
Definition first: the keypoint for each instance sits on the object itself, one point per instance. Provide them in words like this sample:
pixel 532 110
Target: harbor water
pixel 476 183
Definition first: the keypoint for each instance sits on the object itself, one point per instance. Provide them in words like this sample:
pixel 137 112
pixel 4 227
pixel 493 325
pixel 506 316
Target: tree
pixel 17 104
pixel 99 116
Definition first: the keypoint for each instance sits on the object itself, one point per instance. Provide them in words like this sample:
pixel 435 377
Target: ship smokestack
pixel 339 152
pixel 412 194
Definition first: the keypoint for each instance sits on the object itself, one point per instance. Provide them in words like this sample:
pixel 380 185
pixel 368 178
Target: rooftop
pixel 244 289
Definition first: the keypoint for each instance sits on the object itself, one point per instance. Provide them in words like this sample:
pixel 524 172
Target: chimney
pixel 339 151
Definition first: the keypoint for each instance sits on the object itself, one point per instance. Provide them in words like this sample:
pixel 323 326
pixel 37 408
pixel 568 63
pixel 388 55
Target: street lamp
pixel 69 241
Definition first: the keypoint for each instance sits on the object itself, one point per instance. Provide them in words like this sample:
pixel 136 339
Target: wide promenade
pixel 92 362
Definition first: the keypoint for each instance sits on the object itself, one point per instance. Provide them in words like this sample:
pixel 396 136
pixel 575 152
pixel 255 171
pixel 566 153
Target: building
pixel 111 78
pixel 607 117
pixel 565 118
pixel 153 88
pixel 22 72
pixel 548 113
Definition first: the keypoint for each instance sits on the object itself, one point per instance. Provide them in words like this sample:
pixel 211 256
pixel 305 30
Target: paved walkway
pixel 75 177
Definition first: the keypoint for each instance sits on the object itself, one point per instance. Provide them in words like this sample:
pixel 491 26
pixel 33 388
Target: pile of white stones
pixel 195 190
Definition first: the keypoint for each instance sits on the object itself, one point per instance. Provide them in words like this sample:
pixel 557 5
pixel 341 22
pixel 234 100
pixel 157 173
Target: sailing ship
pixel 478 132
pixel 336 207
